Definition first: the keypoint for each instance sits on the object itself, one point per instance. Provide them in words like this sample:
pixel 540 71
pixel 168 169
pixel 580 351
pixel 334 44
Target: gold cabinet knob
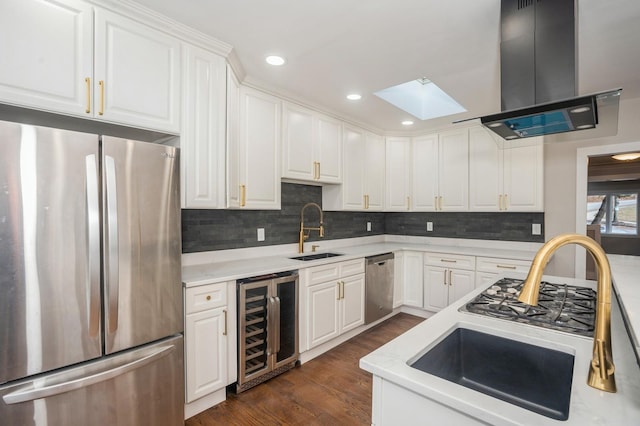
pixel 208 297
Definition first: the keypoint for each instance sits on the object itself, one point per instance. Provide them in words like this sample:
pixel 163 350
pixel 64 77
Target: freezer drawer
pixel 144 386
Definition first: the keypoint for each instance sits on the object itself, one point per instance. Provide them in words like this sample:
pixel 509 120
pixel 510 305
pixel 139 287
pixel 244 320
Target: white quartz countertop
pixel 626 283
pixel 588 406
pixel 248 266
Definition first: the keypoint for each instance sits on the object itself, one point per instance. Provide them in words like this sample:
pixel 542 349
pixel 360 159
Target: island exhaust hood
pixel 538 76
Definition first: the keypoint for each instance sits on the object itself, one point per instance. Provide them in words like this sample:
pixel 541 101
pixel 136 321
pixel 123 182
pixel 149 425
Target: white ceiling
pixel 335 47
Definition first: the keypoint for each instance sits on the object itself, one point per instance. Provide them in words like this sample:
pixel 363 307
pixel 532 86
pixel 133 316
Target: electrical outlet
pixel 368 226
pixel 260 234
pixel 429 226
pixel 536 229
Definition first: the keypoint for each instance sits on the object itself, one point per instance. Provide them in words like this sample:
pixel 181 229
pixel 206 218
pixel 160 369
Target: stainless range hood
pixel 569 115
pixel 538 76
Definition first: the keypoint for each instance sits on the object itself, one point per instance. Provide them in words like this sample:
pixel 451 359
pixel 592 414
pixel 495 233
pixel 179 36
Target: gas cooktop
pixel 561 307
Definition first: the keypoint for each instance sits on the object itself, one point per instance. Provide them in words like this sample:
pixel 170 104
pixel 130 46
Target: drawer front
pixel 323 274
pixel 351 267
pixel 205 297
pixel 491 264
pixel 451 261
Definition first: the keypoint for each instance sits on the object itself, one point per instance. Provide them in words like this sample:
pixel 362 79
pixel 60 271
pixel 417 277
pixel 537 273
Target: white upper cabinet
pixel 424 172
pixel 202 141
pixel 505 179
pixel 453 170
pixel 363 177
pixel 47 52
pixel 233 140
pixel 440 171
pixel 398 179
pixel 257 170
pixel 68 57
pixel 136 75
pixel 312 146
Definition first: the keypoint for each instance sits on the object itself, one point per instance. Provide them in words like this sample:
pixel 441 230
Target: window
pixel 616 212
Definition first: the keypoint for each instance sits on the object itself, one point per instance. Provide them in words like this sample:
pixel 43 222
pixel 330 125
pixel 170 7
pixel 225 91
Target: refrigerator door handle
pixel 112 243
pixel 93 249
pixel 277 325
pixel 31 392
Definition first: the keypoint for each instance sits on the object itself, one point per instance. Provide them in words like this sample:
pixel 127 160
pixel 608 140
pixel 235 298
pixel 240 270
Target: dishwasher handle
pixel 379 260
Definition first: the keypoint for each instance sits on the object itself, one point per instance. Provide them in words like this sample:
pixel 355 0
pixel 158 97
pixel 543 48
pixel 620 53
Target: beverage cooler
pixel 267 327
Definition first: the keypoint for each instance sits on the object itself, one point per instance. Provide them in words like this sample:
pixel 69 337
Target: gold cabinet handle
pixel 435 203
pixel 444 279
pixel 342 289
pixel 505 201
pixel 339 290
pixel 448 260
pixel 440 203
pixel 224 333
pixel 243 195
pixel 101 110
pixel 316 170
pixel 450 278
pixel 500 202
pixel 87 81
pixel 408 203
pixel 505 266
pixel 366 202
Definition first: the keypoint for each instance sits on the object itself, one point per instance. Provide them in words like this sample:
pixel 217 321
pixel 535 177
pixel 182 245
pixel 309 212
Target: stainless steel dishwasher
pixel 378 287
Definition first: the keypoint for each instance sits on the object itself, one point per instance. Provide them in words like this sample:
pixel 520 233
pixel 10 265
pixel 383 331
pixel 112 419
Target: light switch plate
pixel 260 234
pixel 429 226
pixel 536 229
pixel 368 226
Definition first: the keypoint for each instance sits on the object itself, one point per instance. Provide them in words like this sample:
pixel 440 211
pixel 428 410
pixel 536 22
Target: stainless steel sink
pixel 532 377
pixel 316 256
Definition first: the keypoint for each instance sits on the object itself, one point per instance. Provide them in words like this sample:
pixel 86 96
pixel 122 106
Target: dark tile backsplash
pixel 206 230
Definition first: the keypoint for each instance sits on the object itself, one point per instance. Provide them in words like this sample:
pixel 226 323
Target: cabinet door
pixel 206 358
pixel 329 149
pixel 202 140
pixel 436 288
pixel 47 53
pixel 259 150
pixel 233 140
pixel 412 279
pixel 485 171
pixel 298 161
pixel 453 171
pixel 322 306
pixel 139 68
pixel 461 282
pixel 485 279
pixel 354 159
pixel 398 176
pixel 352 303
pixel 424 171
pixel 398 279
pixel 374 153
pixel 523 177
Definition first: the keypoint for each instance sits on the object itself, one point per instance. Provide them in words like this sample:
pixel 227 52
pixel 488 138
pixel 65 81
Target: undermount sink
pixel 532 377
pixel 316 256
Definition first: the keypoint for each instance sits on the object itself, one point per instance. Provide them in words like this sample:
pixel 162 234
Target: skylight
pixel 421 98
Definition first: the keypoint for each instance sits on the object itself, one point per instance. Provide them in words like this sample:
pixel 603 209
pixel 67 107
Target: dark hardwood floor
pixel 328 390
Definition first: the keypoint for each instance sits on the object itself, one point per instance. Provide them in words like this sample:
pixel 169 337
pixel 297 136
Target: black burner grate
pixel 561 307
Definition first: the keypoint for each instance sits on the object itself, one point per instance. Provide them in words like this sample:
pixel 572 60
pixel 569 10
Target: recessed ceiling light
pixel 407 123
pixel 275 60
pixel 579 110
pixel 511 137
pixel 354 97
pixel 626 157
pixel 495 124
pixel 584 126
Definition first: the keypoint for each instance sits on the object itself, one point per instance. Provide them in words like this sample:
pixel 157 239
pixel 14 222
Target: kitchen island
pixel 405 395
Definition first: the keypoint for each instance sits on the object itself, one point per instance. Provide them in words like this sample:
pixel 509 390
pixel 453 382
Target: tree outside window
pixel 617 213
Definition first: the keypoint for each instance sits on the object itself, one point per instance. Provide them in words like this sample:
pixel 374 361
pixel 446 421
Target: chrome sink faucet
pixel 304 236
pixel 601 368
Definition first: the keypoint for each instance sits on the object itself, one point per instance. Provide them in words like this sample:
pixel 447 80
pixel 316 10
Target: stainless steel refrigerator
pixel 91 313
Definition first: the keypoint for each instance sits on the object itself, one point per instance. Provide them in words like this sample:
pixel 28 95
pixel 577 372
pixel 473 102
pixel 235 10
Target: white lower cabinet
pixel 334 299
pixel 210 339
pixel 411 265
pixel 447 278
pixel 489 268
